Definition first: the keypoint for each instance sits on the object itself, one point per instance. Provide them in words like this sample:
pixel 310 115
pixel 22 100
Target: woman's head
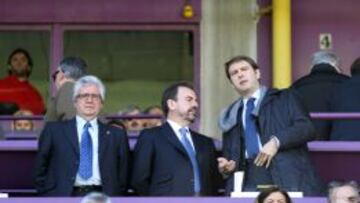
pixel 273 195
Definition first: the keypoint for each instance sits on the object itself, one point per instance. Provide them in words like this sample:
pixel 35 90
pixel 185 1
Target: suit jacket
pixel 162 167
pixel 61 107
pixel 316 91
pixel 279 114
pixel 347 99
pixel 58 159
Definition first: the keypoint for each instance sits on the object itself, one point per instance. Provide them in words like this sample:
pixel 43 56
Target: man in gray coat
pixel 265 133
pixel 61 107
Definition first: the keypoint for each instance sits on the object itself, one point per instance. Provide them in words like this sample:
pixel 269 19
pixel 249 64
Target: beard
pixel 23 72
pixel 191 114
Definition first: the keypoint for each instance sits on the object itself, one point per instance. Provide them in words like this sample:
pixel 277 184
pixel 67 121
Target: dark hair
pixel 237 59
pixel 27 55
pixel 148 109
pixel 171 93
pixel 355 67
pixel 266 193
pixel 73 67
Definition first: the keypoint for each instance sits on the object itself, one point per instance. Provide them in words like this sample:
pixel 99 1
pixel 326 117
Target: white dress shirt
pixel 176 128
pixel 95 179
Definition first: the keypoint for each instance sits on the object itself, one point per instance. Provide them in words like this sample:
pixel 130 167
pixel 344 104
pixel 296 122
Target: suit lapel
pixel 170 136
pixel 71 134
pixel 103 137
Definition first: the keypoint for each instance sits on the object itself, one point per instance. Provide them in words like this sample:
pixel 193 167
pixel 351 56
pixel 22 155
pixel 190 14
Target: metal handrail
pixel 40 118
pixel 335 115
pixel 314 115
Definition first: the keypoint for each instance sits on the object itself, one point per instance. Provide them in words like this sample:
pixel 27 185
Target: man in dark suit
pixel 265 133
pixel 347 99
pixel 172 160
pixel 317 89
pixel 82 155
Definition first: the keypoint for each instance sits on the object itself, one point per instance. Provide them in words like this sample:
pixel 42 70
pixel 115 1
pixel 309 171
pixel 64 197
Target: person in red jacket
pixel 16 88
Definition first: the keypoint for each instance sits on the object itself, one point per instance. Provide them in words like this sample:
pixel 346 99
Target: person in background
pixel 16 88
pixel 343 192
pixel 23 125
pixel 117 123
pixel 154 111
pixel 347 99
pixel 96 197
pixel 61 106
pixel 273 195
pixel 82 155
pixel 316 90
pixel 132 124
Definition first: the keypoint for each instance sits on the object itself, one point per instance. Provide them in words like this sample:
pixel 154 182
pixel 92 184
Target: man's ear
pixel 171 104
pixel 258 74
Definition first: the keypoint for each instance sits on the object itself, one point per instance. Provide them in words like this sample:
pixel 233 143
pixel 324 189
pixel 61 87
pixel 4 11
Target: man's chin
pixel 191 120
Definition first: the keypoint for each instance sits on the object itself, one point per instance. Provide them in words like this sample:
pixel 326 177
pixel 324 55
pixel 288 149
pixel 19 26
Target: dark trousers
pixel 255 176
pixel 84 190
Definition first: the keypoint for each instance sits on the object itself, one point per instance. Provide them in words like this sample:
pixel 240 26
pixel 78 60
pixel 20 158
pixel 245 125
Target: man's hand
pixel 225 166
pixel 267 153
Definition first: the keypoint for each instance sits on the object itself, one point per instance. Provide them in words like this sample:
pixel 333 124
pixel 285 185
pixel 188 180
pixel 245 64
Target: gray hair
pixel 325 57
pixel 89 80
pixel 96 197
pixel 337 184
pixel 73 67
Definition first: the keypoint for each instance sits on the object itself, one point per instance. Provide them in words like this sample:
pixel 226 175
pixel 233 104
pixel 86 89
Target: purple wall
pixel 309 19
pixel 264 45
pixel 100 15
pixel 95 11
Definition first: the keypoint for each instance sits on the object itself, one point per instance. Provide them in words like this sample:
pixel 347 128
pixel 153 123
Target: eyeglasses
pixel 54 75
pixel 89 96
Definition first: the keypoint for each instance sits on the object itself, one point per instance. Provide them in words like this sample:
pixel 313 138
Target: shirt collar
pixel 255 95
pixel 175 126
pixel 81 122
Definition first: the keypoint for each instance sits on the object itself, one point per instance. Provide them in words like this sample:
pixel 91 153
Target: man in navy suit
pixel 82 155
pixel 171 160
pixel 265 132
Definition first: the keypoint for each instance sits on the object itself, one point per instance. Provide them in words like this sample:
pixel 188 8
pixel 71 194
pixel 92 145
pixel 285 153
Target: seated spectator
pixel 273 195
pixel 132 124
pixel 117 123
pixel 96 197
pixel 317 88
pixel 347 99
pixel 22 125
pixel 344 192
pixel 153 111
pixel 16 86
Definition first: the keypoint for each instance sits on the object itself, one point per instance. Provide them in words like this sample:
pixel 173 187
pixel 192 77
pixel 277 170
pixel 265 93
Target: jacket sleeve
pixel 142 164
pixel 43 159
pixel 300 129
pixel 123 164
pixel 214 172
pixel 64 105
